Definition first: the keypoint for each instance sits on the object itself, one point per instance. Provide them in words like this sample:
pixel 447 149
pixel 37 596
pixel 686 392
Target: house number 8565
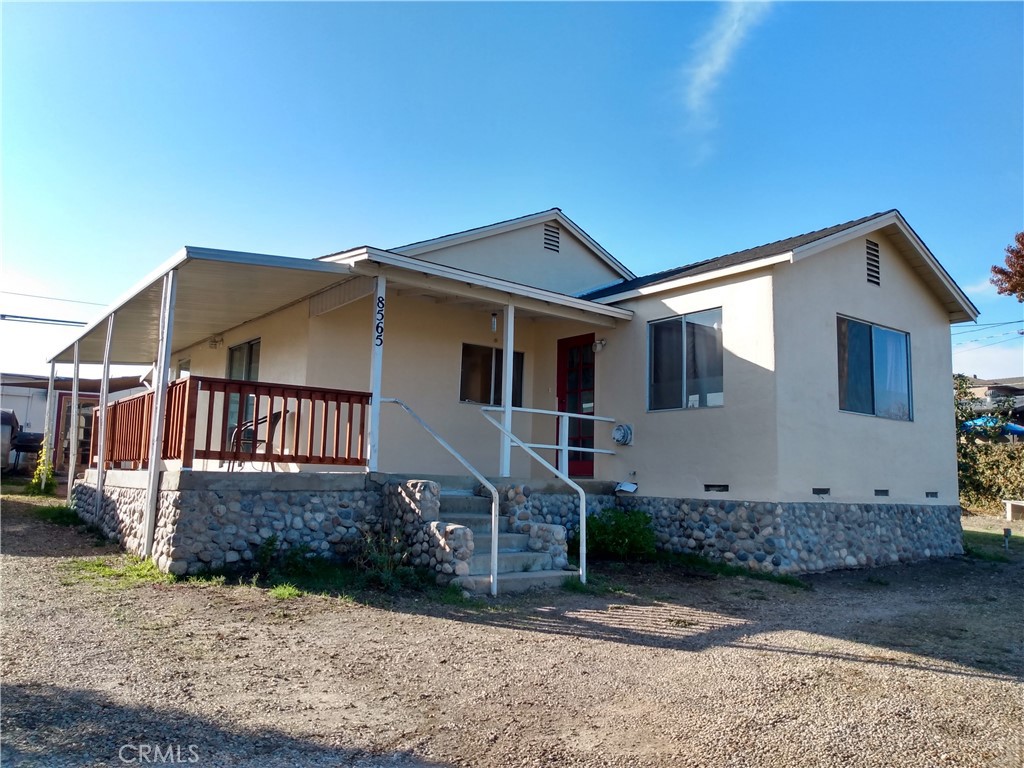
pixel 379 338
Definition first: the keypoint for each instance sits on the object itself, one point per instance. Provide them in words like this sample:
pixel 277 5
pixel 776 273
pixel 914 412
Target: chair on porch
pixel 245 437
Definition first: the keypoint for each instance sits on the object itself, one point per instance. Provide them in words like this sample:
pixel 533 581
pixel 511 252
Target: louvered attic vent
pixel 551 237
pixel 874 268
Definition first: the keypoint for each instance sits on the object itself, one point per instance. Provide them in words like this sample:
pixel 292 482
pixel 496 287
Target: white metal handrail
pixel 563 476
pixel 563 431
pixel 473 471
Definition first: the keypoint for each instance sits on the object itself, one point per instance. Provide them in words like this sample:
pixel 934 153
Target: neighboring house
pixel 998 394
pixel 786 407
pixel 27 395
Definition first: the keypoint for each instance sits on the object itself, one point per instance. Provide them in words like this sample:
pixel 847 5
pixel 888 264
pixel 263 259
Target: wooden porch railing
pixel 234 422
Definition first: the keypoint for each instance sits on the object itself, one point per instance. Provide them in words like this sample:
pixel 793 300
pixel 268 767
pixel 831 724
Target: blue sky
pixel 671 132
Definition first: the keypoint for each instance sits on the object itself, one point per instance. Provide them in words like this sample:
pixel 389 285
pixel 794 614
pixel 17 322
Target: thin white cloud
pixel 980 288
pixel 713 55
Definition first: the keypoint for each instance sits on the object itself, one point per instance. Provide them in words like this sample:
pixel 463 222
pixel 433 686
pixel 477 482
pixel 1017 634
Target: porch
pixel 326 322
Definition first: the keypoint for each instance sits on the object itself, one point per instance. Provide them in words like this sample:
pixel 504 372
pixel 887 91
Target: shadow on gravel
pixel 923 616
pixel 50 726
pixel 26 535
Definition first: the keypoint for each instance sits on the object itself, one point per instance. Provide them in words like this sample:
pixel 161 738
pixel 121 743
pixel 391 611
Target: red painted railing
pixel 234 422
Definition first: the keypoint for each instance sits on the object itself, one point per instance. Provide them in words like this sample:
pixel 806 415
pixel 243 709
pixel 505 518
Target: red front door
pixel 576 395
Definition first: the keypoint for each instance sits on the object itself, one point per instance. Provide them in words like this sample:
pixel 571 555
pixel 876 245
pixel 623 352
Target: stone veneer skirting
pixel 775 537
pixel 209 520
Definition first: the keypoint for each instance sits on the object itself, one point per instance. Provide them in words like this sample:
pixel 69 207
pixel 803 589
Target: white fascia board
pixel 261 260
pixel 894 218
pixel 860 230
pixel 390 259
pixel 426 246
pixel 704 277
pixel 174 262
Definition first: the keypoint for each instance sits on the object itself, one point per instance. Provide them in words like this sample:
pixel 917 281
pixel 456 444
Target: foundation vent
pixel 931 494
pixel 821 491
pixel 881 491
pixel 552 235
pixel 715 488
pixel 874 266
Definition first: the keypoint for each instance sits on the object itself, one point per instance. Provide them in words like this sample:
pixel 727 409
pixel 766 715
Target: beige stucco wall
pixel 520 256
pixel 675 452
pixel 422 366
pixel 854 454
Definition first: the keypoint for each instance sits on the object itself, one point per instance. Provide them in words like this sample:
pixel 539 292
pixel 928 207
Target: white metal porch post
pixel 73 426
pixel 156 428
pixel 101 438
pixel 506 389
pixel 376 370
pixel 48 426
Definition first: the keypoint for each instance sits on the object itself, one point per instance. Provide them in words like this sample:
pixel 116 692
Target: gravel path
pixel 911 666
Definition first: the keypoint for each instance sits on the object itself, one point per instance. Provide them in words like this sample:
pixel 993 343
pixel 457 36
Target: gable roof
pixel 422 247
pixel 891 222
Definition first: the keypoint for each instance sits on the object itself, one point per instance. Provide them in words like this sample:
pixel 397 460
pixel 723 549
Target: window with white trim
pixel 874 369
pixel 685 357
pixel 483 372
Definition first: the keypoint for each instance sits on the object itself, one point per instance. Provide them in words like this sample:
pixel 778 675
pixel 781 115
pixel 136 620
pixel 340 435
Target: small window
pixel 243 365
pixel 483 372
pixel 685 361
pixel 874 370
pixel 244 361
pixel 184 366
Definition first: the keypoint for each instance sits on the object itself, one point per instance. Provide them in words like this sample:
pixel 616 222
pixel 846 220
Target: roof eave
pixel 685 281
pixel 958 306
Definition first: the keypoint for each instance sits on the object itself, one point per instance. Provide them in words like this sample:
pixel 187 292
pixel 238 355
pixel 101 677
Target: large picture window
pixel 874 370
pixel 685 361
pixel 483 373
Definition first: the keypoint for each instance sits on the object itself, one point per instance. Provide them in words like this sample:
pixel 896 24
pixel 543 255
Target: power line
pixel 979 326
pixel 41 320
pixel 991 344
pixel 986 338
pixel 52 298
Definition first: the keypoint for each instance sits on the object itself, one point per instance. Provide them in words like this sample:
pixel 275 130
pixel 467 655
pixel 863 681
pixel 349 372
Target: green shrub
pixel 616 534
pixel 997 472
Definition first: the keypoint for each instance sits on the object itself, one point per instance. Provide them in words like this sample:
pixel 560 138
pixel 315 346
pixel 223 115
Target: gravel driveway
pixel 910 666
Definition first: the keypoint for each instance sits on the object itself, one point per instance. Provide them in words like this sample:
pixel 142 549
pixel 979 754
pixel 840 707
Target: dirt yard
pixel 909 666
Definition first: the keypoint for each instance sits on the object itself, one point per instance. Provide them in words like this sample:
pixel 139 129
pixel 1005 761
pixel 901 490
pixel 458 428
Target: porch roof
pixel 218 290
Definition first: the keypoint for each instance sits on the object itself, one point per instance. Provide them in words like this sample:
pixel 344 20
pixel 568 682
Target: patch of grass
pixel 17 481
pixel 985 545
pixel 285 591
pixel 58 514
pixel 596 585
pixel 124 572
pixel 703 565
pixel 452 594
pixel 877 581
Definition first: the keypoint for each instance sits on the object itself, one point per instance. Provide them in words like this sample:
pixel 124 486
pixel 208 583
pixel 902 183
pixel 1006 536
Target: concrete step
pixel 454 503
pixel 507 542
pixel 509 562
pixel 518 582
pixel 480 523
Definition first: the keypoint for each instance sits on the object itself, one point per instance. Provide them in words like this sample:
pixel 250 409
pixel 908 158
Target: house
pixel 786 407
